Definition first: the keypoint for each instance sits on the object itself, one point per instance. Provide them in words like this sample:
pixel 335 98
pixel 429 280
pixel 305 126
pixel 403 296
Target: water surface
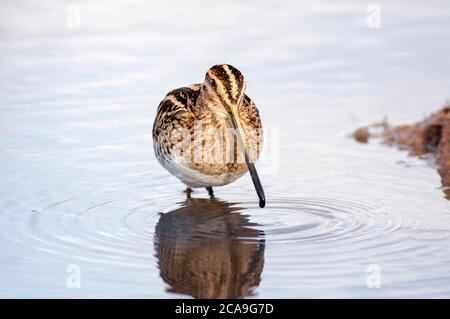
pixel 81 189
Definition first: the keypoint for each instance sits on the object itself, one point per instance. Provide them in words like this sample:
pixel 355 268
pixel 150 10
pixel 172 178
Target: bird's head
pixel 225 85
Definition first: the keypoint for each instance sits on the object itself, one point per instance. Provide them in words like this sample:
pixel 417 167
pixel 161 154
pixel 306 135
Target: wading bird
pixel 210 134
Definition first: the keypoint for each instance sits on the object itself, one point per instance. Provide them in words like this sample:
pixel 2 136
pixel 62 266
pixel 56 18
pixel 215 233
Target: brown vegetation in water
pixel 428 137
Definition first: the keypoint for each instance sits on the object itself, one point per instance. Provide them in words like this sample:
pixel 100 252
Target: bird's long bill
pixel 251 166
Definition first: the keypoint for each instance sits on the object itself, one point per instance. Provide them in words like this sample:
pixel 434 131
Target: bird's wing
pixel 174 116
pixel 249 115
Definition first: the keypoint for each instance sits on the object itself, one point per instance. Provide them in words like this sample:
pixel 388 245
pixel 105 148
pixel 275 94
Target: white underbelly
pixel 195 178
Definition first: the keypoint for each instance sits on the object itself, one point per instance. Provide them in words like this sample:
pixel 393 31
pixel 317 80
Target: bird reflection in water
pixel 208 249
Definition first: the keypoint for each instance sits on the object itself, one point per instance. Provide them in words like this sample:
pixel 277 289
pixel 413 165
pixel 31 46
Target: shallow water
pixel 81 190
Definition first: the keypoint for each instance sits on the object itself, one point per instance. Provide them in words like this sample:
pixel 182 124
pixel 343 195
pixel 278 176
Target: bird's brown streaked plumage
pixel 191 132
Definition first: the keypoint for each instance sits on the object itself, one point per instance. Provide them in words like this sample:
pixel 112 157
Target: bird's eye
pixel 213 83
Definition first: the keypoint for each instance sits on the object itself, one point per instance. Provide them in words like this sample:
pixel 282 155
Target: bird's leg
pixel 210 191
pixel 188 192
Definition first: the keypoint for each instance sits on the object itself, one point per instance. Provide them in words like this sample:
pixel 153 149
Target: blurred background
pixel 80 188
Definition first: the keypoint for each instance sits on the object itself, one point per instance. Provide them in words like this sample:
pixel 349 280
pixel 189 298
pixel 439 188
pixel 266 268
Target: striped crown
pixel 227 81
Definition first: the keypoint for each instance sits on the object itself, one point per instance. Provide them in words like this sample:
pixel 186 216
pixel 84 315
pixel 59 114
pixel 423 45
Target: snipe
pixel 210 134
